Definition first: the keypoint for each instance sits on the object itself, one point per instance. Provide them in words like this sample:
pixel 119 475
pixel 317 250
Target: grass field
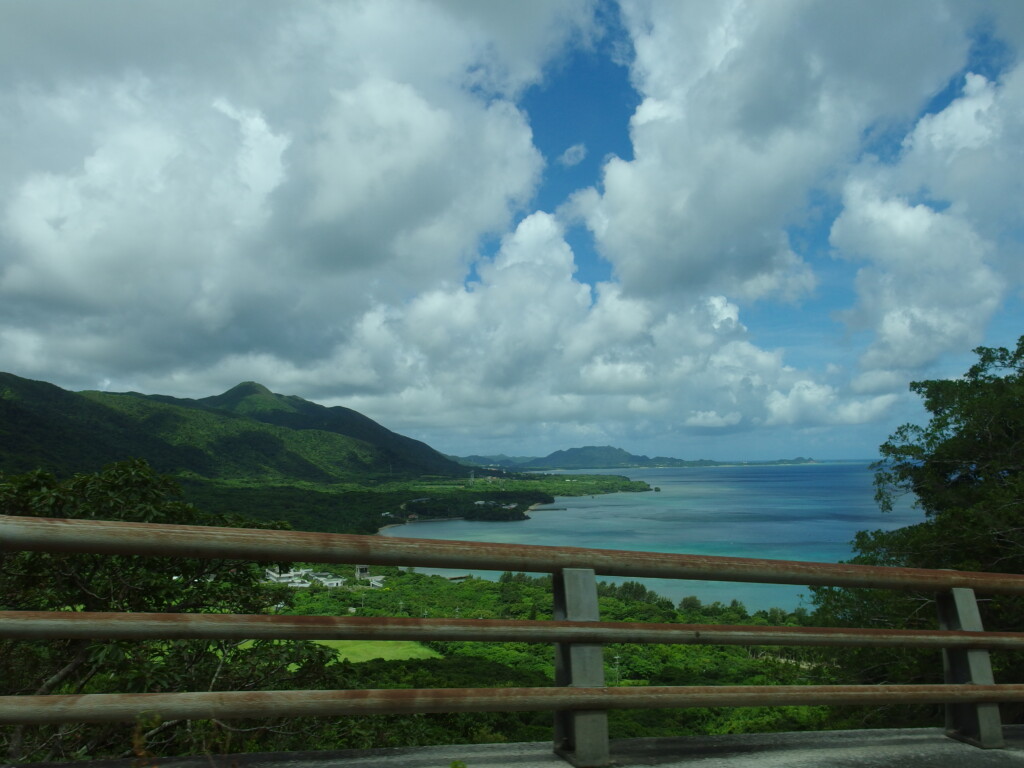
pixel 364 650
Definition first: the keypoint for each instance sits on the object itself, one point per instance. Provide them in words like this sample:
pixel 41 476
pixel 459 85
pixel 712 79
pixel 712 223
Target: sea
pixel 805 512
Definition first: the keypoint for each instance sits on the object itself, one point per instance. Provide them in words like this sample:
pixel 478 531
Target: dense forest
pixel 132 491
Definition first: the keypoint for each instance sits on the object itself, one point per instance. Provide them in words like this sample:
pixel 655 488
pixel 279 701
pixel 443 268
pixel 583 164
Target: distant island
pixel 604 457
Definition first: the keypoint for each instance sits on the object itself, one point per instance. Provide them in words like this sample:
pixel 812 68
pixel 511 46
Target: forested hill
pixel 247 433
pixel 603 457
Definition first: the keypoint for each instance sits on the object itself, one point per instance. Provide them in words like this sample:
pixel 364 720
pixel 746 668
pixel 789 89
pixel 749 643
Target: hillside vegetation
pixel 246 433
pixel 267 456
pixel 130 491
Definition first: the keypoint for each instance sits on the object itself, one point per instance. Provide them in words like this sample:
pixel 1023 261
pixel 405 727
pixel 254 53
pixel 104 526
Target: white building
pixel 304 577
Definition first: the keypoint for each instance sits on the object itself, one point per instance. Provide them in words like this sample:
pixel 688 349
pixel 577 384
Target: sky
pixel 729 230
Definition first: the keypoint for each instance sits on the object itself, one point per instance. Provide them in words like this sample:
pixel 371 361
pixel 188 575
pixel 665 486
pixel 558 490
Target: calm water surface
pixel 805 512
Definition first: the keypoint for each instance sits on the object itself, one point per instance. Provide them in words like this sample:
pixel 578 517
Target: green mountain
pixel 246 434
pixel 497 460
pixel 604 457
pixel 591 456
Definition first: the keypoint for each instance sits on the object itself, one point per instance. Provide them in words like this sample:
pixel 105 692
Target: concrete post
pixel 977 724
pixel 581 737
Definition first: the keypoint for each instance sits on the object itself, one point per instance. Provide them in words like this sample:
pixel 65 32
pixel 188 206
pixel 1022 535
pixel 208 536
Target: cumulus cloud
pixel 928 288
pixel 528 348
pixel 216 219
pixel 343 207
pixel 809 403
pixel 744 112
pixel 934 230
pixel 128 230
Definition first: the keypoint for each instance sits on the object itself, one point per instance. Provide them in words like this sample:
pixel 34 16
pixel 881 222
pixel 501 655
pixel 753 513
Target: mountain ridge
pixel 245 433
pixel 606 457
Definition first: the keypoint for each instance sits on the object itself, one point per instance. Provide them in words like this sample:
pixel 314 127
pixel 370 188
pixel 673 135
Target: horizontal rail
pixel 151 539
pixel 40 625
pixel 235 704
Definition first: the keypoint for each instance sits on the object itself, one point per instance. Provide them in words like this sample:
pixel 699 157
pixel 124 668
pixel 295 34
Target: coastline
pixel 529 509
pixel 419 520
pixel 734 512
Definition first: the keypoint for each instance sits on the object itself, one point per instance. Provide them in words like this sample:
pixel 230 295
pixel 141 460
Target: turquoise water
pixel 804 512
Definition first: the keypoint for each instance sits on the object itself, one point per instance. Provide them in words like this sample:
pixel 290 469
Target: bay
pixel 804 512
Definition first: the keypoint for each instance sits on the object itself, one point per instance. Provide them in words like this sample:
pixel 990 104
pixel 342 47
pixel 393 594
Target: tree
pixel 131 491
pixel 965 469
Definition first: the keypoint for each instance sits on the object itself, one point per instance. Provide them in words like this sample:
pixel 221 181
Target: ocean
pixel 786 512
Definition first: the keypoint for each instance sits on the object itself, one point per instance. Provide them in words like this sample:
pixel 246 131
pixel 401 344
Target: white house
pixel 304 577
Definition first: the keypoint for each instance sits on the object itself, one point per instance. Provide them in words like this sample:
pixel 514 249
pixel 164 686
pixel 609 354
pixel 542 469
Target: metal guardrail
pixel 96 536
pixel 580 699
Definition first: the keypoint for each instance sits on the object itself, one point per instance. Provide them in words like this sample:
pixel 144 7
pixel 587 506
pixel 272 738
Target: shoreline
pixel 529 509
pixel 425 520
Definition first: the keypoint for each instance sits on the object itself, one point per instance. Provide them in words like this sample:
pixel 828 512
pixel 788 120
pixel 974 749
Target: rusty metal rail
pixel 580 699
pixel 98 708
pixel 61 535
pixel 39 625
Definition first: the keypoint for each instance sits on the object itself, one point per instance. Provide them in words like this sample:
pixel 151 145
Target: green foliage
pixel 131 491
pixel 43 426
pixel 964 468
pixel 358 651
pixel 348 508
pixel 125 491
pixel 128 491
pixel 519 596
pixel 246 433
pixel 270 457
pixel 305 509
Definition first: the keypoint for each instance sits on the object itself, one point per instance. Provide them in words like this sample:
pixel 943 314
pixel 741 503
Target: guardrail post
pixel 581 736
pixel 977 724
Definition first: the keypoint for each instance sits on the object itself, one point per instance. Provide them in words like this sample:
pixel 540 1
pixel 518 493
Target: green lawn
pixel 364 650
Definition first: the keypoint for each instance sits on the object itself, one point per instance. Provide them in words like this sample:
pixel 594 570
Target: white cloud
pixel 810 403
pixel 932 281
pixel 928 289
pixel 529 344
pixel 713 420
pixel 964 125
pixel 746 108
pixel 129 228
pixel 966 157
pixel 193 216
pixel 574 155
pixel 379 139
pixel 309 197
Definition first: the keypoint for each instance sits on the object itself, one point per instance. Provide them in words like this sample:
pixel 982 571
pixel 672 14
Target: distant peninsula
pixel 604 457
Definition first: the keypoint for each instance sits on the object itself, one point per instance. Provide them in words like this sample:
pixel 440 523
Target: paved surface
pixel 896 748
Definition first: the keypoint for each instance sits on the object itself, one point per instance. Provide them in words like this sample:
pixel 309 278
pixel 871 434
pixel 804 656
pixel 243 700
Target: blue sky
pixel 727 230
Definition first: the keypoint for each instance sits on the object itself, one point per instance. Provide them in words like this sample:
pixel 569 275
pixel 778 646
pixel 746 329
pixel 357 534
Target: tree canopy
pixel 131 491
pixel 46 582
pixel 965 469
